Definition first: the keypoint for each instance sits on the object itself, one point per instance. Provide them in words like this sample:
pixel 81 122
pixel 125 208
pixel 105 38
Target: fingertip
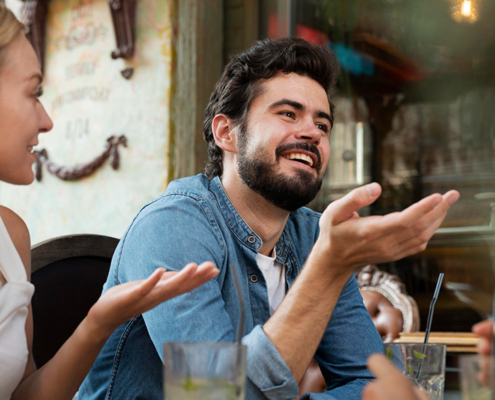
pixel 214 272
pixel 435 200
pixel 452 196
pixel 375 359
pixel 479 326
pixel 157 273
pixel 483 328
pixel 190 267
pixel 374 189
pixel 206 266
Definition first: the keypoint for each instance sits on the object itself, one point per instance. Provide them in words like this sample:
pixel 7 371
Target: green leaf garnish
pixel 410 370
pixel 389 352
pixel 419 355
pixel 189 385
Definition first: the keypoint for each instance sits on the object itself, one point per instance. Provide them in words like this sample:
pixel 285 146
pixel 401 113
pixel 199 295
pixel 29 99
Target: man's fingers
pixel 419 222
pixel 416 242
pixel 345 208
pixel 483 328
pixel 371 391
pixel 452 196
pixel 382 368
pixel 484 347
pixel 413 214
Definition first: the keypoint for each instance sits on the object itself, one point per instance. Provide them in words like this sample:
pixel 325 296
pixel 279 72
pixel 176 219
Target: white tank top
pixel 15 296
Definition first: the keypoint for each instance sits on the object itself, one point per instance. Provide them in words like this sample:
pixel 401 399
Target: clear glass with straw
pixel 423 364
pixel 207 370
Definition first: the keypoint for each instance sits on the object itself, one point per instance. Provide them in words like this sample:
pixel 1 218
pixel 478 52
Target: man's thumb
pixel 353 201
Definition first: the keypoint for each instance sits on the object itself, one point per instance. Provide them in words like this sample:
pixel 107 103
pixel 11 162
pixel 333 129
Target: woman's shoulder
pixel 19 234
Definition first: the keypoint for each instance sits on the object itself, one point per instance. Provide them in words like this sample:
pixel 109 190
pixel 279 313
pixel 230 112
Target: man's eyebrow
pixel 322 114
pixel 287 102
pixel 300 107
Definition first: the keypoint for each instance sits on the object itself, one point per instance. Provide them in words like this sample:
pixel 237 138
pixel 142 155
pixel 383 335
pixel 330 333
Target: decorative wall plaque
pixel 81 171
pixel 124 23
pixel 88 101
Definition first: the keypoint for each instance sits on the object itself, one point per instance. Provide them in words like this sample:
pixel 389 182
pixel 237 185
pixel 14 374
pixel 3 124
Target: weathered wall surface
pixel 89 100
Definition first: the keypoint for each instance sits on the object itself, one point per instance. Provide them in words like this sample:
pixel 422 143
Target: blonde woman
pixel 22 119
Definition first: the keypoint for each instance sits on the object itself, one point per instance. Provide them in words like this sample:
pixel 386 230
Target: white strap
pixel 10 262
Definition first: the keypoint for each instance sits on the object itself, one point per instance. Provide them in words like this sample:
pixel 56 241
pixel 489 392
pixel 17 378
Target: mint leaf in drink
pixel 409 369
pixel 389 352
pixel 419 355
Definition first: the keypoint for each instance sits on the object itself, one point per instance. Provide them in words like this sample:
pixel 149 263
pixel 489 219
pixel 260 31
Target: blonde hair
pixel 9 28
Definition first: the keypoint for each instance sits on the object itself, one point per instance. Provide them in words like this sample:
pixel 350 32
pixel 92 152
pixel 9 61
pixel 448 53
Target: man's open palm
pixel 355 241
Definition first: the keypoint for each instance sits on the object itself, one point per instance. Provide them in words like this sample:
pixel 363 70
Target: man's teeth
pixel 30 149
pixel 300 157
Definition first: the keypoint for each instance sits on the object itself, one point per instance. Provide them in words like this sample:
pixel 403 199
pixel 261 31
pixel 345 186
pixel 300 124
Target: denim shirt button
pixel 254 278
pixel 251 239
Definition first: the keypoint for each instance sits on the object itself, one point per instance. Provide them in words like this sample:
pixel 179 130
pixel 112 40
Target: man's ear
pixel 224 133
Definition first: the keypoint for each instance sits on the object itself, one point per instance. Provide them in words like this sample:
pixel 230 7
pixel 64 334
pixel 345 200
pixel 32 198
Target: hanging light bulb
pixel 464 10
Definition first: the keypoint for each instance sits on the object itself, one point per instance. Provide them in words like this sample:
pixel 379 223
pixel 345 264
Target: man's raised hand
pixel 351 241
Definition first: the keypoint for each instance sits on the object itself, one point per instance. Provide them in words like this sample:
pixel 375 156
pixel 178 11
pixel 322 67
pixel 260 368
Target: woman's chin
pixel 21 179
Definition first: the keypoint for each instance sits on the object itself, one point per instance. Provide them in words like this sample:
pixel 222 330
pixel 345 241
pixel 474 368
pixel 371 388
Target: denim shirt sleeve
pixel 171 233
pixel 350 338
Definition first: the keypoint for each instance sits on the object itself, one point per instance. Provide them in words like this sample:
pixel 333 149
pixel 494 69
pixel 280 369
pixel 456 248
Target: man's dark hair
pixel 239 84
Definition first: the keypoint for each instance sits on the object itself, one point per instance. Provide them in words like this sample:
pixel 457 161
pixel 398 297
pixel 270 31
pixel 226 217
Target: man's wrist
pixel 322 259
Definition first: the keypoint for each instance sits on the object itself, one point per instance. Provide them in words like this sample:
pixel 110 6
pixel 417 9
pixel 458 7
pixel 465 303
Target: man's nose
pixel 309 132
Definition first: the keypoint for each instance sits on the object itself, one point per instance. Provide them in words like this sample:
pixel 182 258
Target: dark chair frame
pixel 62 247
pixel 68 273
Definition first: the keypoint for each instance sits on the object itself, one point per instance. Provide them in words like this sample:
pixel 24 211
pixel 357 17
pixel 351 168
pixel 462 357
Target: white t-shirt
pixel 274 274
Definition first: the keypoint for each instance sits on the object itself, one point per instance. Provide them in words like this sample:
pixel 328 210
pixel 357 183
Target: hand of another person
pixel 350 241
pixel 390 384
pixel 123 302
pixel 484 330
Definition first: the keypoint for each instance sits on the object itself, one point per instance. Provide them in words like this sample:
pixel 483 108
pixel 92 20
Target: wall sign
pixel 124 22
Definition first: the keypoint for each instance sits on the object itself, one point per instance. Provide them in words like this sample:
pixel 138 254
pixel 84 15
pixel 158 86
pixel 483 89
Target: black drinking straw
pixel 430 319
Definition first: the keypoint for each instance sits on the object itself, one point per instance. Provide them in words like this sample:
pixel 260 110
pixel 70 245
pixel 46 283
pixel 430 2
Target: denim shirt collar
pixel 241 229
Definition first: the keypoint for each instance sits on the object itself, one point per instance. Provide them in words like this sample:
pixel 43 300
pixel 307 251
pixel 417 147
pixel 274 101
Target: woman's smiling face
pixel 22 116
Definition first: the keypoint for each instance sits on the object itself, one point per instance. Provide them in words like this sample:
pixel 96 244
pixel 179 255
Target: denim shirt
pixel 194 221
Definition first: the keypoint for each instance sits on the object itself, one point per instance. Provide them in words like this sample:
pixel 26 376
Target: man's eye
pixel 39 91
pixel 323 127
pixel 289 114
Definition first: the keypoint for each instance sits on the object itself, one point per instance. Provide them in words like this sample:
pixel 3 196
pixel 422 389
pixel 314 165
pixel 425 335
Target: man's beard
pixel 287 193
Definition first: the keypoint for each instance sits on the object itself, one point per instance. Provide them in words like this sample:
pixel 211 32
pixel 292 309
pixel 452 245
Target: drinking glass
pixel 476 377
pixel 204 371
pixel 425 368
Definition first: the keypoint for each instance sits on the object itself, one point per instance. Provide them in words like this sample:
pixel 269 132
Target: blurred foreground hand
pixel 390 384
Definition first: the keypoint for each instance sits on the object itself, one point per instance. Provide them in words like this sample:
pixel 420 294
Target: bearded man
pixel 267 129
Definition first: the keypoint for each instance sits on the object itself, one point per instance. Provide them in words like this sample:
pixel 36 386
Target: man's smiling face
pixel 284 148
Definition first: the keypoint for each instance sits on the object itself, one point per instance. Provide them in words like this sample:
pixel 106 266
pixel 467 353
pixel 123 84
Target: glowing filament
pixel 466 8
